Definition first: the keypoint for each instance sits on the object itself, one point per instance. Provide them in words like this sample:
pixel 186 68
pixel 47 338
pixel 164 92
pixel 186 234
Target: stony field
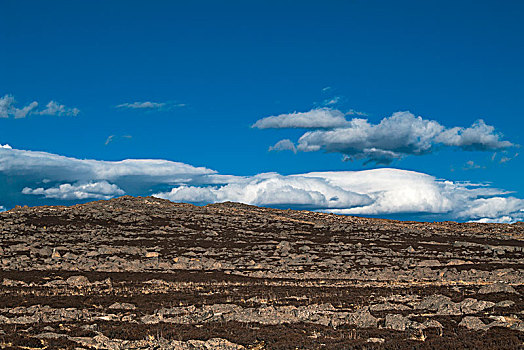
pixel 145 273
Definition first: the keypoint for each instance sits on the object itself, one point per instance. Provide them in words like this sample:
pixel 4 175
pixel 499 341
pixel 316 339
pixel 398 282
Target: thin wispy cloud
pixel 150 106
pixel 471 165
pixel 331 101
pixel 112 138
pixel 402 134
pixel 109 139
pixel 8 108
pixel 504 158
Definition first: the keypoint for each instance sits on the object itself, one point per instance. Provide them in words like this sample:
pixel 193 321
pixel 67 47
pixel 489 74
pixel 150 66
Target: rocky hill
pixel 140 273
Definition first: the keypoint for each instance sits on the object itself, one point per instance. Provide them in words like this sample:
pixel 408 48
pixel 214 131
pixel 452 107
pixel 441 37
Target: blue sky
pixel 212 69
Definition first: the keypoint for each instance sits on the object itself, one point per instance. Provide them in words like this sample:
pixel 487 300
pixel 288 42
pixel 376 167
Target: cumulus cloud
pixel 316 118
pixel 148 105
pixel 369 192
pixel 272 189
pixel 479 136
pixel 94 190
pixel 394 137
pixel 8 109
pixel 500 220
pixel 494 207
pixel 284 145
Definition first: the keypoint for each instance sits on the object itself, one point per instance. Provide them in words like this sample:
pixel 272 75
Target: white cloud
pixel 55 108
pixel 477 137
pixel 470 165
pixel 370 192
pixel 109 140
pixel 148 105
pixel 272 190
pixel 354 112
pixel 316 118
pixel 494 207
pixel 331 101
pixel 2 208
pixel 75 177
pixel 24 111
pixel 392 191
pixel 112 138
pixel 142 105
pixel 95 190
pixel 500 220
pixel 8 109
pixel 394 137
pixel 284 145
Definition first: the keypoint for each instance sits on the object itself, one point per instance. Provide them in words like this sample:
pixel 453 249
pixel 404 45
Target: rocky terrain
pixel 145 273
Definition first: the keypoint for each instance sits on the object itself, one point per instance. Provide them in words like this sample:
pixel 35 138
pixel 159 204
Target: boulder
pixel 397 322
pixel 78 281
pixel 497 288
pixel 473 323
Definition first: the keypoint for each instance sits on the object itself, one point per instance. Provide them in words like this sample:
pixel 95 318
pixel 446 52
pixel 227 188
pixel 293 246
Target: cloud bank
pixel 46 176
pixel 8 109
pixel 369 192
pixel 395 137
pixel 31 164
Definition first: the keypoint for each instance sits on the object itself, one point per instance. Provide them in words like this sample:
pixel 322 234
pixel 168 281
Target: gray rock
pixel 439 303
pixel 429 263
pixel 122 306
pixel 432 324
pixel 362 318
pixel 505 303
pixel 497 288
pixel 283 248
pixel 388 306
pixel 397 322
pixel 376 340
pixel 78 281
pixel 472 322
pixel 472 306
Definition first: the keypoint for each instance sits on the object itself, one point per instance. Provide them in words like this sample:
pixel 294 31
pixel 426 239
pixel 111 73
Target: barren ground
pixel 143 273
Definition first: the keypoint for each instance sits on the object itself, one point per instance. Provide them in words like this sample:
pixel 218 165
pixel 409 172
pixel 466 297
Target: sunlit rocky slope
pixel 138 273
